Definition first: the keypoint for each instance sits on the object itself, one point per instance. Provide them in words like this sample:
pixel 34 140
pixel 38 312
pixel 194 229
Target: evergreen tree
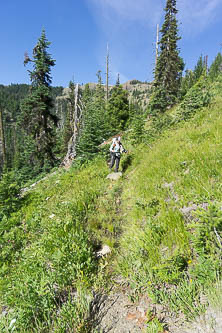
pixel 216 67
pixel 187 82
pixel 118 108
pixel 10 193
pixel 94 127
pixel 99 98
pixel 87 94
pixel 199 69
pixel 37 117
pixel 137 123
pixel 10 99
pixel 169 67
pixel 118 81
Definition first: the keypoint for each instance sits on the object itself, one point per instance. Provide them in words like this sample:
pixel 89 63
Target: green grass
pixel 48 248
pixel 161 246
pixel 48 264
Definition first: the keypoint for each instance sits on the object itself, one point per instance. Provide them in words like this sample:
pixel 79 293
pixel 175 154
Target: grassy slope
pixel 48 262
pixel 45 250
pixel 173 202
pixel 181 168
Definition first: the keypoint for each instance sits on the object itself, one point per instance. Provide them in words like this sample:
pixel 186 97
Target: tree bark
pixel 76 120
pixel 2 141
pixel 107 73
pixel 157 43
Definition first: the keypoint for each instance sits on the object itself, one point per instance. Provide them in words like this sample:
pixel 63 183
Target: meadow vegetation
pixel 171 242
pixel 162 219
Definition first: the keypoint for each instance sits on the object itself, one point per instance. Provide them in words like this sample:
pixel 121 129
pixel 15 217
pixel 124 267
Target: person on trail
pixel 116 149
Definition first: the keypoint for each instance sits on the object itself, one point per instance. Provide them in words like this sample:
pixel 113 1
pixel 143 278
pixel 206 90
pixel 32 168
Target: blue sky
pixel 80 29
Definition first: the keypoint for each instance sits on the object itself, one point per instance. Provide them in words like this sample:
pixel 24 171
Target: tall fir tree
pixel 216 67
pixel 169 66
pixel 186 83
pixel 95 126
pixel 118 108
pixel 36 110
pixel 199 68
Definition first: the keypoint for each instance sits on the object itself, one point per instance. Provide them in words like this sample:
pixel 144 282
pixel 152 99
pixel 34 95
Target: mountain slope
pixel 162 221
pixel 172 236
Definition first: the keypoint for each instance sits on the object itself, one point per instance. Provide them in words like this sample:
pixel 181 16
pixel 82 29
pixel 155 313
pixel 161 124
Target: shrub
pixel 10 187
pixel 197 97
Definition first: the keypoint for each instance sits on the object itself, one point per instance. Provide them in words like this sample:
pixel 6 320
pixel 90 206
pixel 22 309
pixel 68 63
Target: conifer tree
pixel 118 81
pixel 169 67
pixel 216 67
pixel 199 69
pixel 186 83
pixel 99 98
pixel 37 117
pixel 118 107
pixel 137 122
pixel 94 127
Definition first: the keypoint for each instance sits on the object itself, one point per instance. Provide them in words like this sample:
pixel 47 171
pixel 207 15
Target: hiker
pixel 116 149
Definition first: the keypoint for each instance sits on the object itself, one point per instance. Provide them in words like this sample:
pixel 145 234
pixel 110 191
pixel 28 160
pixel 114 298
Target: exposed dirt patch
pixel 119 312
pixel 116 313
pixel 210 322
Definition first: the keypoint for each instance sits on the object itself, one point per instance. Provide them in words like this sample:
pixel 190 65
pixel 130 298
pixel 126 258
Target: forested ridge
pixel 80 252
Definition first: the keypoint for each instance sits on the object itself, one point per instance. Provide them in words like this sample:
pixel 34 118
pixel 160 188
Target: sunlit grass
pixel 182 168
pixel 48 247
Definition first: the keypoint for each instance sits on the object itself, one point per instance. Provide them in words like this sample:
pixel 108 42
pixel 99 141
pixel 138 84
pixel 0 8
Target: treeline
pixel 37 134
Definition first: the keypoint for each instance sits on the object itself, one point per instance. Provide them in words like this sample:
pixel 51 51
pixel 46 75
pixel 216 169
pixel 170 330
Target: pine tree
pixel 216 67
pixel 199 69
pixel 99 98
pixel 118 81
pixel 186 83
pixel 137 123
pixel 169 67
pixel 37 117
pixel 95 126
pixel 118 107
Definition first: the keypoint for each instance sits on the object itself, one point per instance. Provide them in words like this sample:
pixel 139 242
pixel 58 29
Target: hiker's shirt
pixel 116 148
pixel 113 144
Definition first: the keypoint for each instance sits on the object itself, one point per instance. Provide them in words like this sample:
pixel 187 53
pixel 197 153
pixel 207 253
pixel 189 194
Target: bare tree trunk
pixel 2 140
pixel 75 125
pixel 157 43
pixel 107 73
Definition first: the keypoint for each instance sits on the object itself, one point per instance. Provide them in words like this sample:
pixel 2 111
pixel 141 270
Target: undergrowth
pixel 163 221
pixel 48 252
pixel 172 239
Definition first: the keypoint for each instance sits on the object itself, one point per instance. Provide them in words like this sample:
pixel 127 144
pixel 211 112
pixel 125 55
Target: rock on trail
pixel 114 175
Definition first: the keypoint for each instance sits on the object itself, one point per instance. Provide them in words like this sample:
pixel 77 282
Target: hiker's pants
pixel 114 159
